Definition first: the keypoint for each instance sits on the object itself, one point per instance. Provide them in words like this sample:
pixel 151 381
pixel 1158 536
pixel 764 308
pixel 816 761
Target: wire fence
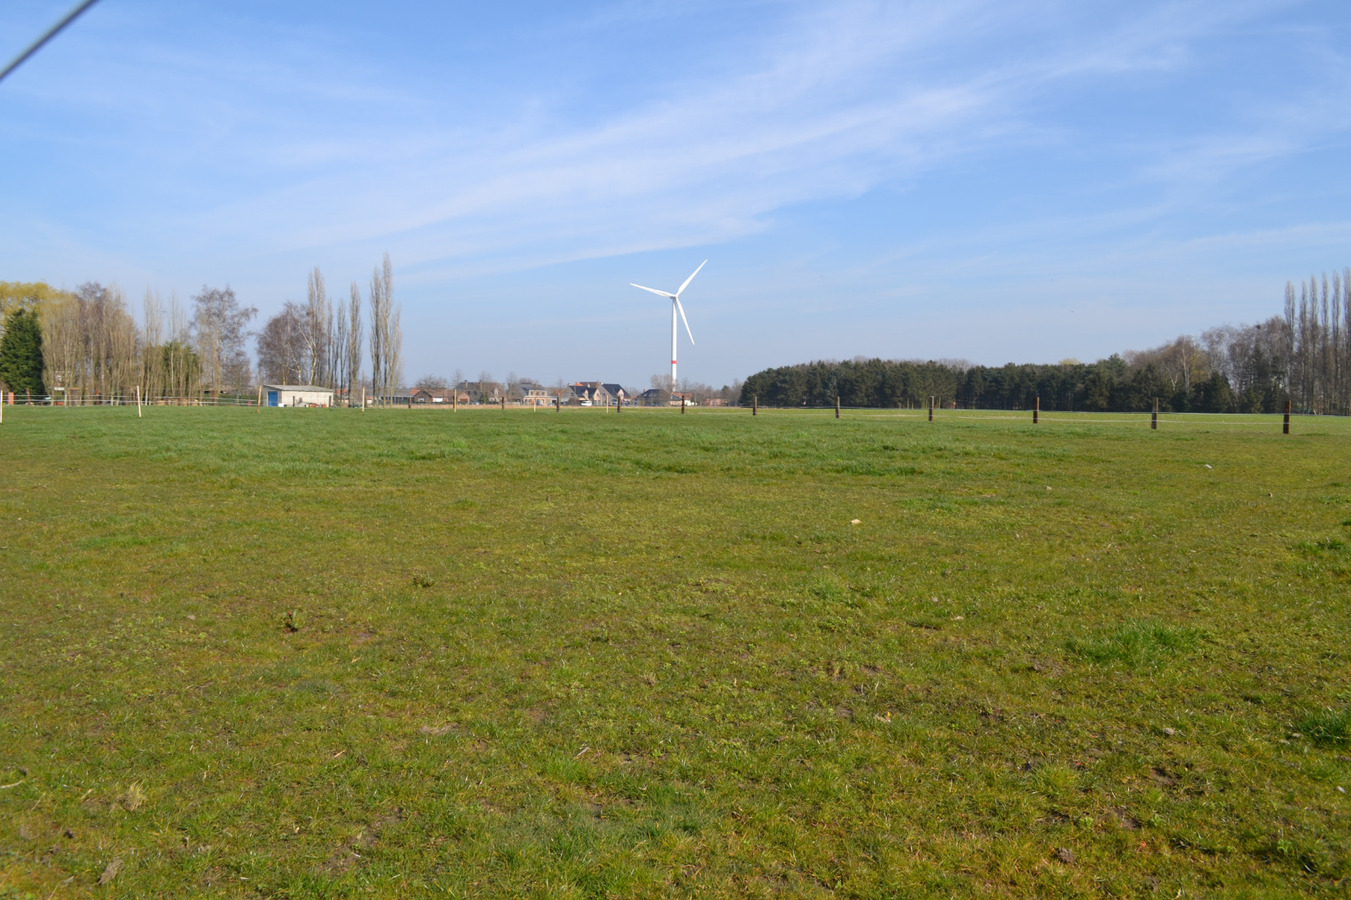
pixel 1282 422
pixel 120 399
pixel 938 414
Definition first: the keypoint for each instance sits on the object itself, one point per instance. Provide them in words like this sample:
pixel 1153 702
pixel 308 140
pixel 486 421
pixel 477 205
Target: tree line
pixel 84 346
pixel 320 342
pixel 1303 356
pixel 87 348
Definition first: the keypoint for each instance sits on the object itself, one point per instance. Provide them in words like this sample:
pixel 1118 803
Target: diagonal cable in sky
pixel 51 33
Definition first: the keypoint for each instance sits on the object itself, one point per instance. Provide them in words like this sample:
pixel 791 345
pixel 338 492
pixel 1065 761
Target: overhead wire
pixel 50 33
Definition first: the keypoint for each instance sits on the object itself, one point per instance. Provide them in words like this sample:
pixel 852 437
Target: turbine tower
pixel 675 308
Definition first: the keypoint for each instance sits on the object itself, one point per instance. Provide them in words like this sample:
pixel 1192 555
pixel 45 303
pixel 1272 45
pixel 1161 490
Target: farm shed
pixel 297 395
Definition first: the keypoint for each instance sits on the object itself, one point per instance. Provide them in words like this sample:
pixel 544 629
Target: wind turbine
pixel 675 308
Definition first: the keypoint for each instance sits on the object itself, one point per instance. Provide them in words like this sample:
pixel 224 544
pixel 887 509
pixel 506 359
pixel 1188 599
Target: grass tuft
pixel 1326 727
pixel 1322 546
pixel 1136 644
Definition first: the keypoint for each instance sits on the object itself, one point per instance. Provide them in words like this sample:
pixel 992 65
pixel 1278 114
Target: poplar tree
pixel 386 334
pixel 379 326
pixel 353 349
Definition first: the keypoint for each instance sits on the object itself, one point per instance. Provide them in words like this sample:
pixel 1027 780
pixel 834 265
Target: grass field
pixel 311 653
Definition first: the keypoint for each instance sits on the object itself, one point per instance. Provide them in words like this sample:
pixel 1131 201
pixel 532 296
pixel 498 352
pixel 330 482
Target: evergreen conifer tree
pixel 21 354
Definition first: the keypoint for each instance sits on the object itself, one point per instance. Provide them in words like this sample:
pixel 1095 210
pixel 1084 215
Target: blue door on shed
pixel 271 398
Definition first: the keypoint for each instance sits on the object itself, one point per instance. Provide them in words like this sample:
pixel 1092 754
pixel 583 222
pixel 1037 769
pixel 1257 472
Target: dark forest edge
pixel 1303 356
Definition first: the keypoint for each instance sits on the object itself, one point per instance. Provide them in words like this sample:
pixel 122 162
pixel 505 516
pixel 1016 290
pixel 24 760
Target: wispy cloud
pixel 834 108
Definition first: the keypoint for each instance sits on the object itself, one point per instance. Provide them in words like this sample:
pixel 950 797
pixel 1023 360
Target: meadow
pixel 326 653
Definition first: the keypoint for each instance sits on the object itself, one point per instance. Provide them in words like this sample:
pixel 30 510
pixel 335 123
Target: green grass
pixel 1327 728
pixel 309 653
pixel 1136 644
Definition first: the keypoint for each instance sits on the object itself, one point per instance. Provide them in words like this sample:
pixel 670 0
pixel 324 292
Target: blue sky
pixel 993 181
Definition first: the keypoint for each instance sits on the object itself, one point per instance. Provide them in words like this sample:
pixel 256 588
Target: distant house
pixel 654 397
pixel 297 395
pixel 446 396
pixel 480 391
pixel 598 393
pixel 534 395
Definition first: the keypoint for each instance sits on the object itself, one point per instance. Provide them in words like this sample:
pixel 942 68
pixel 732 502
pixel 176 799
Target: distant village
pixel 523 393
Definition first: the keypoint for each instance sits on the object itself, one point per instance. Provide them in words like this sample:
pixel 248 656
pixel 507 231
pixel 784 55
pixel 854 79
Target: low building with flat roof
pixel 297 395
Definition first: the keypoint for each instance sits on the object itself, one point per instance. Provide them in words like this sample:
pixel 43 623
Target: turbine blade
pixel 683 319
pixel 667 294
pixel 691 278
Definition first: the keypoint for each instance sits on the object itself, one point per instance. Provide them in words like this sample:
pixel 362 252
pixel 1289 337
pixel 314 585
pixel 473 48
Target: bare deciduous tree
pixel 394 350
pixel 222 327
pixel 284 346
pixel 317 332
pixel 379 332
pixel 353 348
pixel 386 334
pixel 151 338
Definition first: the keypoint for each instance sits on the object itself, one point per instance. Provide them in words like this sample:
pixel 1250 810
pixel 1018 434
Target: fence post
pixel 837 406
pixel 1036 410
pixel 755 404
pixel 1285 429
pixel 1154 416
pixel 682 404
pixel 138 401
pixel 931 408
pixel 558 402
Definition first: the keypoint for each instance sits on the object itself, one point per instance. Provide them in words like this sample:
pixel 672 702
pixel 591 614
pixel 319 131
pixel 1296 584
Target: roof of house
pixel 308 388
